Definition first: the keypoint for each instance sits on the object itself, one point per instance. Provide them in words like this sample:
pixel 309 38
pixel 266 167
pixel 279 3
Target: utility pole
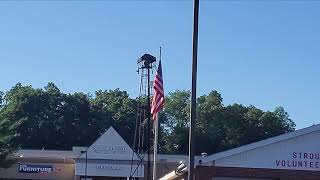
pixel 193 88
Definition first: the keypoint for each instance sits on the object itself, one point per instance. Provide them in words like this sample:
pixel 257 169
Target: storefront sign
pixel 109 149
pixel 114 167
pixel 109 169
pixel 33 168
pixel 303 160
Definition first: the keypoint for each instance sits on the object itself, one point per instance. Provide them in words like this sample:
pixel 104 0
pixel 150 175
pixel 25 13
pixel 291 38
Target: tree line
pixel 34 118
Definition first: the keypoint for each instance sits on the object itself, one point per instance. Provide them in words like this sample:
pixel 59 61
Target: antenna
pixel 145 64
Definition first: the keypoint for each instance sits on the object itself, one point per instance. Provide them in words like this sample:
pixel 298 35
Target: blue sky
pixel 260 53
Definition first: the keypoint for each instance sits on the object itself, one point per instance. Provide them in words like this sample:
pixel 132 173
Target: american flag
pixel 158 93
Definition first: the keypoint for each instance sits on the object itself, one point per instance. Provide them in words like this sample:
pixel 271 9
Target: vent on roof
pixel 204 154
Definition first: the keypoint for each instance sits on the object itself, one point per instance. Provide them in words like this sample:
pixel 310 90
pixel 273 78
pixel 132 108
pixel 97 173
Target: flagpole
pixel 155 146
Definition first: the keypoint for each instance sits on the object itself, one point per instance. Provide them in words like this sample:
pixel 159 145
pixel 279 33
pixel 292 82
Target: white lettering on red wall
pixel 301 160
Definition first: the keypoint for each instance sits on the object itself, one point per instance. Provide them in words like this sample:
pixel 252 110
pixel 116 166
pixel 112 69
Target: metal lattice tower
pixel 143 135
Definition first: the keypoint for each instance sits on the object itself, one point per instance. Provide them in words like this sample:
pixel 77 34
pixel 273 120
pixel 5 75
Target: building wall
pixel 235 178
pixel 299 153
pixel 210 172
pixel 108 156
pixel 65 169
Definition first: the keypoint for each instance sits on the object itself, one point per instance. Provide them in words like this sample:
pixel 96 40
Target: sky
pixel 261 53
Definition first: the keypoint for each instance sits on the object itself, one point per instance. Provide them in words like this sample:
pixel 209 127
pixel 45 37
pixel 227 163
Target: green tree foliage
pixel 174 119
pixel 47 118
pixel 43 118
pixel 5 149
pixel 115 108
pixel 219 127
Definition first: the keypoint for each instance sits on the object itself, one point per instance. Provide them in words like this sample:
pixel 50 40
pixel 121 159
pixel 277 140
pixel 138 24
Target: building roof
pixel 76 152
pixel 262 143
pixel 110 145
pixel 28 153
pixel 251 146
pixel 167 157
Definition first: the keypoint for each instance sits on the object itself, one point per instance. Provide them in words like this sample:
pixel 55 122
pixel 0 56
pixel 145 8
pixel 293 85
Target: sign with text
pixel 34 168
pixel 307 160
pixel 110 146
pixel 298 150
pixel 112 167
pixel 109 149
pixel 109 169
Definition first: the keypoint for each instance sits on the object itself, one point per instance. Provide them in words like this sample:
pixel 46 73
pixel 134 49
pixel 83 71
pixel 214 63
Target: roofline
pixel 261 143
pixel 44 150
pixel 111 128
pixel 87 148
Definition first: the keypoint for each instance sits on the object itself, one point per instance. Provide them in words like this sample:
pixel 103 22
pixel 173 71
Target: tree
pixel 210 126
pixel 115 108
pixel 5 160
pixel 174 120
pixel 1 99
pixel 218 127
pixel 47 118
pixel 5 150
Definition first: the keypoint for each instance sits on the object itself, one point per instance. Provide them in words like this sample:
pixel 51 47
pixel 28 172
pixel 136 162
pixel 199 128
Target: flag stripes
pixel 158 96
